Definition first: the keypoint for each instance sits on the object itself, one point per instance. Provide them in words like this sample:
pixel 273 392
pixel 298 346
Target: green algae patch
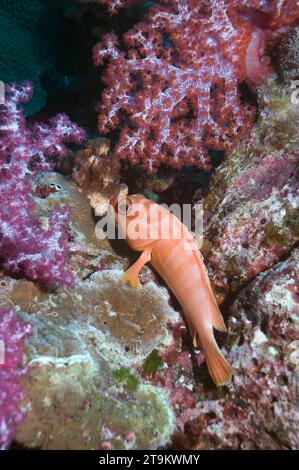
pixel 153 362
pixel 276 235
pixel 292 220
pixel 129 380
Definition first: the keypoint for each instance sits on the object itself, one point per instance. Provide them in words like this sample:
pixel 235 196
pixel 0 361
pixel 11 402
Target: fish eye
pixel 124 207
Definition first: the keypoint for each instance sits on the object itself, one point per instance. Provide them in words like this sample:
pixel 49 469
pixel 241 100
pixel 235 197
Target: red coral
pixel 25 246
pixel 174 89
pixel 12 335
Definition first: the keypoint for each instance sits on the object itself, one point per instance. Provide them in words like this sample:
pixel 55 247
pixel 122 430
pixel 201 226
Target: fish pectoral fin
pixel 130 276
pixel 130 279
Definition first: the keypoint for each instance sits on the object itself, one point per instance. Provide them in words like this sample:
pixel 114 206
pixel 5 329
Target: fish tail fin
pixel 220 370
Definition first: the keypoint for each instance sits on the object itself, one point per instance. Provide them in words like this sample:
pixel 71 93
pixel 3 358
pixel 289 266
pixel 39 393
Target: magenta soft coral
pixel 173 86
pixel 12 336
pixel 25 246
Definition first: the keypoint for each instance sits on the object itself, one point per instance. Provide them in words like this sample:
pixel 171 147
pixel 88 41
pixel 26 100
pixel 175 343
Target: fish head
pixel 132 215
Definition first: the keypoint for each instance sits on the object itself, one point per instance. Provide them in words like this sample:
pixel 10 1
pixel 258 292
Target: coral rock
pixel 252 208
pixel 87 345
pixel 87 252
pixel 259 409
pixel 97 173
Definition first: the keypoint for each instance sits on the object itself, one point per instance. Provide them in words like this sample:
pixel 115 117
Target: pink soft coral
pixel 12 335
pixel 25 246
pixel 173 90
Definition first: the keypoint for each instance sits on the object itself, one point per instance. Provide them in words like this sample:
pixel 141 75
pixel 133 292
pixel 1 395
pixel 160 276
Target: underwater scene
pixel 149 225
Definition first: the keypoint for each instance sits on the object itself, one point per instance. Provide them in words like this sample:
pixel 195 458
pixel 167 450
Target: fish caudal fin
pixel 219 368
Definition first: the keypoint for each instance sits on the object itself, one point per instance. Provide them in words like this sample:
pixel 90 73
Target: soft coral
pixel 25 246
pixel 12 336
pixel 174 89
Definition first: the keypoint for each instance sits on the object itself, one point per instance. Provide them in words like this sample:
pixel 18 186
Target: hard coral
pixel 83 388
pixel 173 90
pixel 12 335
pixel 25 246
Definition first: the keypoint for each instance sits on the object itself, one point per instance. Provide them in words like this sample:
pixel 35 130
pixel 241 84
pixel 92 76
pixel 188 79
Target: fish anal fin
pixel 213 311
pixel 217 319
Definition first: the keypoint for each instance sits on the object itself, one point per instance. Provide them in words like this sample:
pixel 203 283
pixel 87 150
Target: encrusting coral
pixel 173 87
pixel 86 344
pixel 26 247
pixel 288 56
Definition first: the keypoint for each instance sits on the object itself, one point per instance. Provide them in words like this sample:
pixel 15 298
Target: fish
pixel 165 242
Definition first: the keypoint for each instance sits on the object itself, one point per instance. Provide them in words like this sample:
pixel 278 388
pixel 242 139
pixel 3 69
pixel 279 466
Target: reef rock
pixel 252 208
pixel 89 253
pixel 258 409
pixel 97 173
pixel 84 389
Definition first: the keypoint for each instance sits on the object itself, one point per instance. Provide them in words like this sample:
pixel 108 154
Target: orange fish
pixel 167 244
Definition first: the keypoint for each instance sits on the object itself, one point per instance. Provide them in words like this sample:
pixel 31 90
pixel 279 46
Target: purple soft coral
pixel 25 246
pixel 12 335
